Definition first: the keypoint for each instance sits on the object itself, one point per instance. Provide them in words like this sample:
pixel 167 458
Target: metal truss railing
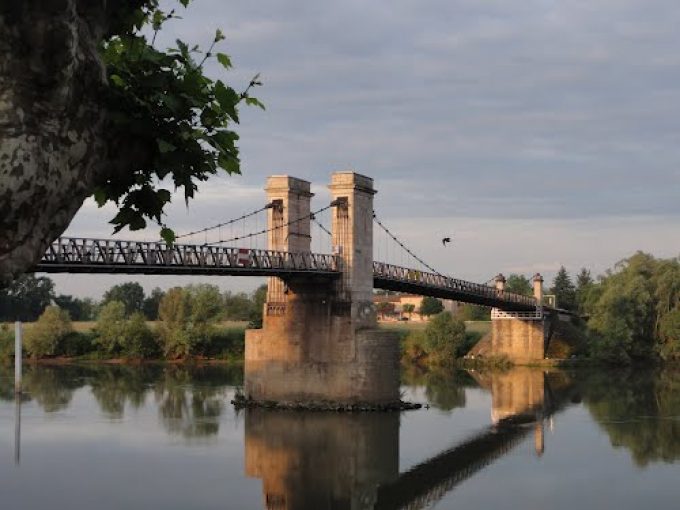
pixel 497 314
pixel 438 281
pixel 81 254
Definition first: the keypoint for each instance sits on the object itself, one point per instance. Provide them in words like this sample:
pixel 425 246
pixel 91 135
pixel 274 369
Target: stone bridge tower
pixel 319 343
pixel 520 337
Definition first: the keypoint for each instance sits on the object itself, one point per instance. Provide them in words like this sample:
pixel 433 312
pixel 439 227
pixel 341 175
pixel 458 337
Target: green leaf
pixel 252 101
pixel 164 146
pixel 100 196
pixel 227 98
pixel 164 195
pixel 117 80
pixel 184 2
pixel 168 235
pixel 224 60
pixel 230 164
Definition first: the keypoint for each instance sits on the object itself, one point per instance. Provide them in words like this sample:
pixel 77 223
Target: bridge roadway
pixel 105 256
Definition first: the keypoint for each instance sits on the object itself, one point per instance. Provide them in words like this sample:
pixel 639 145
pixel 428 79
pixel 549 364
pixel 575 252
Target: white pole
pixel 18 341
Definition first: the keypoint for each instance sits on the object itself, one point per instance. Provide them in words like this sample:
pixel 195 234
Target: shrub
pixel 444 339
pixel 44 337
pixel 77 344
pixel 226 344
pixel 414 348
pixel 111 328
pixel 188 318
pixel 139 340
pixel 670 335
pixel 119 336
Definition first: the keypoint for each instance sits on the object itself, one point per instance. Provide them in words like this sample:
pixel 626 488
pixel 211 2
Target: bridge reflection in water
pixel 351 461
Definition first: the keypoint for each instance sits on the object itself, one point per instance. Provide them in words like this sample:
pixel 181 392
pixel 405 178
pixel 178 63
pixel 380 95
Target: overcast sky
pixel 535 133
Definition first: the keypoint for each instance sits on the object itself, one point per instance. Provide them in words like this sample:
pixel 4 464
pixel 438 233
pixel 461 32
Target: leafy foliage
pixel 151 303
pixel 163 99
pixel 259 299
pixel 469 312
pixel 78 309
pixel 43 338
pixel 633 310
pixel 119 336
pixel 188 318
pixel 519 284
pixel 25 298
pixel 130 294
pixel 445 338
pixel 430 306
pixel 385 308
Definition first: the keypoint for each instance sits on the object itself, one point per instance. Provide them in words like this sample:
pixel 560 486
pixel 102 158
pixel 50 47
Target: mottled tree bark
pixel 53 147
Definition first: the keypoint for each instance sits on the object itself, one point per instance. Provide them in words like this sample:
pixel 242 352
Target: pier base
pixel 520 338
pixel 367 373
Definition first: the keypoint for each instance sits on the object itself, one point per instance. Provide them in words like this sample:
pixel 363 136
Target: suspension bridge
pixel 319 339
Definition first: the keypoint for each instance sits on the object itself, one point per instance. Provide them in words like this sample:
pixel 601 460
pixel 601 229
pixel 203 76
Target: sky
pixel 535 134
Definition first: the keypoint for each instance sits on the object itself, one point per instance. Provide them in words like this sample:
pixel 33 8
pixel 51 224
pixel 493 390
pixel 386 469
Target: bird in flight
pixel 446 240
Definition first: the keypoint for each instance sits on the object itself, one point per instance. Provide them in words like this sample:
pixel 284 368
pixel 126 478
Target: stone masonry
pixel 319 342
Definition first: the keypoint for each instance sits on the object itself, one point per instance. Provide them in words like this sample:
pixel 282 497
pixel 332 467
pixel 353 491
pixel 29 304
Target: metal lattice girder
pixel 391 277
pixel 79 255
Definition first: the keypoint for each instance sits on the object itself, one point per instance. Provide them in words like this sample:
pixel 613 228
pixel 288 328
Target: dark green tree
pixel 259 298
pixel 444 339
pixel 119 114
pixel 150 306
pixel 131 294
pixel 78 309
pixel 430 306
pixel 519 284
pixel 584 284
pixel 238 307
pixel 564 290
pixel 469 312
pixel 26 298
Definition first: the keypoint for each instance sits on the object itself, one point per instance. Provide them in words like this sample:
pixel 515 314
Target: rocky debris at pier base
pixel 241 402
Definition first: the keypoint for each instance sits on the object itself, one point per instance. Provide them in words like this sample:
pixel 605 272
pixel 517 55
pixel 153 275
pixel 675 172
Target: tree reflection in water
pixel 445 389
pixel 190 401
pixel 639 410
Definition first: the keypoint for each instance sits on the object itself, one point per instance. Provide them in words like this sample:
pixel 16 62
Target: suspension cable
pixel 230 222
pixel 321 225
pixel 271 229
pixel 394 238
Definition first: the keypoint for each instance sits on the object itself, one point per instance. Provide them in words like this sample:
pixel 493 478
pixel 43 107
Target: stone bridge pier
pixel 319 343
pixel 521 337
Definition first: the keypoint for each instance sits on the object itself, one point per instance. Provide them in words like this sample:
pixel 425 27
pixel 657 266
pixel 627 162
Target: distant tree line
pixel 28 297
pixel 188 321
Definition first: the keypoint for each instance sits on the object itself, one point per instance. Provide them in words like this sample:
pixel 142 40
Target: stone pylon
pixel 520 337
pixel 319 342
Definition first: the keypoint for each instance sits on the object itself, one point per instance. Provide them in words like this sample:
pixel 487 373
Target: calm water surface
pixel 167 438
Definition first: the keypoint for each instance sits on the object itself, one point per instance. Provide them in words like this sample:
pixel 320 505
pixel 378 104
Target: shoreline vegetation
pixel 633 309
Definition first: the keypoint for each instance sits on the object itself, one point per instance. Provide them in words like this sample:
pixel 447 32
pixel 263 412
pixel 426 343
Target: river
pixel 167 437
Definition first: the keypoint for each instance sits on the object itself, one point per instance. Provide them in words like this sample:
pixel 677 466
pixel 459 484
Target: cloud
pixel 492 111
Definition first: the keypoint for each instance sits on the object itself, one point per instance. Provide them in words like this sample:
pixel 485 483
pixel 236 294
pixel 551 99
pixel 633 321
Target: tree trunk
pixel 52 142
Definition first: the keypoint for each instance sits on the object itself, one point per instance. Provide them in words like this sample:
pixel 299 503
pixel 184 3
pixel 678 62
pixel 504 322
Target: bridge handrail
pixel 433 280
pixel 87 251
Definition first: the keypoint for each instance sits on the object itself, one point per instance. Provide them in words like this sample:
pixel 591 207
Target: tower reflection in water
pixel 321 460
pixel 351 461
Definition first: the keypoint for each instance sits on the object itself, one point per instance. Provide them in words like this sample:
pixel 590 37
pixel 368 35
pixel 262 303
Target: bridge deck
pixel 78 255
pixel 402 279
pixel 74 255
